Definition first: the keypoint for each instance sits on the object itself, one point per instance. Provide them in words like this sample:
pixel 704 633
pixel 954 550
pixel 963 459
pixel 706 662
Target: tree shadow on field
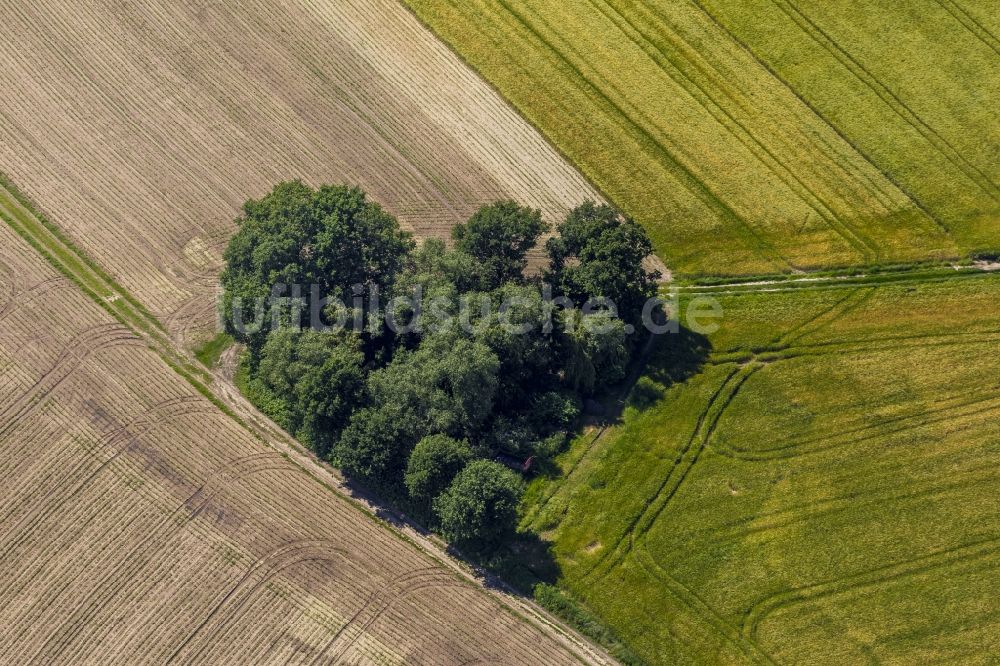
pixel 664 360
pixel 528 560
pixel 517 565
pixel 678 357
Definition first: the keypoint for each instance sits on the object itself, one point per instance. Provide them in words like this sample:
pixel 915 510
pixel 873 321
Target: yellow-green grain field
pixel 754 136
pixel 819 485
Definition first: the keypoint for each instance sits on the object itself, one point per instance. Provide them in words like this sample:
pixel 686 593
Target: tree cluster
pixel 428 412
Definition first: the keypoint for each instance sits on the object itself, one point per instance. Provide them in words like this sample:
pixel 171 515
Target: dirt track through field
pixel 140 128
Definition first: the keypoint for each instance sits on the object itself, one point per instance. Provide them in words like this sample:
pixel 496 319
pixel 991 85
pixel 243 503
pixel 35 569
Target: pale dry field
pixel 141 524
pixel 140 128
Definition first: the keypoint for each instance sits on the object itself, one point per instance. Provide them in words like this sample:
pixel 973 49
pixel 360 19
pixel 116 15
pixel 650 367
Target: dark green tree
pixel 332 237
pixel 447 385
pixel 433 265
pixel 479 509
pixel 314 381
pixel 375 444
pixel 515 332
pixel 595 350
pixel 434 462
pixel 598 252
pixel 499 237
pixel 413 409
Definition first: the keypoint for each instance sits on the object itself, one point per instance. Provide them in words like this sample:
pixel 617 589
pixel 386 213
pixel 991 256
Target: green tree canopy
pixel 598 252
pixel 595 350
pixel 433 265
pixel 434 462
pixel 332 237
pixel 447 385
pixel 514 330
pixel 499 236
pixel 375 444
pixel 316 379
pixel 494 367
pixel 479 509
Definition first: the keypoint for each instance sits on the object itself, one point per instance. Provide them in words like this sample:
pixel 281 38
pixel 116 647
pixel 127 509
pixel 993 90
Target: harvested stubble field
pixel 140 128
pixel 141 524
pixel 764 135
pixel 820 487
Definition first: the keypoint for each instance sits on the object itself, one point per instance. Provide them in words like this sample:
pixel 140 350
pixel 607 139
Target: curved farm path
pixel 965 555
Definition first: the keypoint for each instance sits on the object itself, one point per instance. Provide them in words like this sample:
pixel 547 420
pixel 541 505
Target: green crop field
pixel 816 482
pixel 753 136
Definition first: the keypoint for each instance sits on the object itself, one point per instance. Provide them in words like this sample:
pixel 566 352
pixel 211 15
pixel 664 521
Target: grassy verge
pixel 16 212
pixel 558 602
pixel 210 351
pixel 46 238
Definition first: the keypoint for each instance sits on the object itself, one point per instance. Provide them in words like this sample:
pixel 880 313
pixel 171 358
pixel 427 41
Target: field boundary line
pixel 27 221
pixel 832 282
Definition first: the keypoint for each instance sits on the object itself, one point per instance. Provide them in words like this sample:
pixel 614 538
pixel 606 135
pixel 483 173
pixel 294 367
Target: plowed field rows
pixel 138 523
pixel 140 128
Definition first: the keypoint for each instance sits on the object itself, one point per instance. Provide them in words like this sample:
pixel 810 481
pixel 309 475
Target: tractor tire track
pixel 140 555
pixel 259 573
pixel 962 408
pixel 862 244
pixel 700 610
pixel 971 24
pixel 679 469
pixel 890 177
pixel 117 442
pixel 757 524
pixel 890 99
pixel 688 179
pixel 854 299
pixel 378 603
pixel 967 553
pixel 12 303
pixel 620 401
pixel 78 350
